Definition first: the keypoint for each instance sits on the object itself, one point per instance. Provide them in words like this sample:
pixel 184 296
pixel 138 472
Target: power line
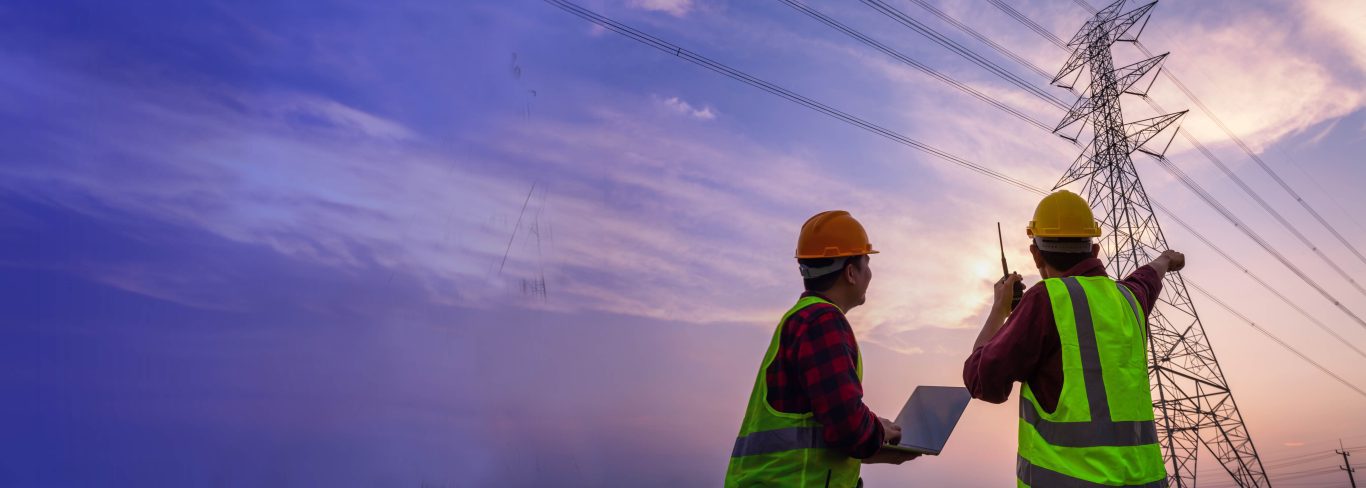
pixel 1351 217
pixel 1257 198
pixel 981 38
pixel 1269 288
pixel 1185 179
pixel 810 12
pixel 1277 339
pixel 968 54
pixel 794 97
pixel 1159 109
pixel 1191 185
pixel 1038 29
pixel 717 67
pixel 1238 141
pixel 1228 215
pixel 1291 476
pixel 1260 162
pixel 1267 207
pixel 1302 459
pixel 1308 457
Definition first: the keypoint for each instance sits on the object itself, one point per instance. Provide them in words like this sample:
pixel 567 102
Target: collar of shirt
pixel 815 294
pixel 822 297
pixel 1088 267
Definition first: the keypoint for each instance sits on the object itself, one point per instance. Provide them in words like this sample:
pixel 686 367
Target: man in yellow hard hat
pixel 806 424
pixel 1078 343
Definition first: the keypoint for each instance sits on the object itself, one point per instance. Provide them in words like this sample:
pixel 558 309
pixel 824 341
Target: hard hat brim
pixel 837 255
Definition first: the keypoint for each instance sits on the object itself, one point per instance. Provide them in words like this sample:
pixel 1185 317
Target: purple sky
pixel 299 244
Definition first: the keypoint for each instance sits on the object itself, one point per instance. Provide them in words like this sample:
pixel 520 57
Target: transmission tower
pixel 1191 400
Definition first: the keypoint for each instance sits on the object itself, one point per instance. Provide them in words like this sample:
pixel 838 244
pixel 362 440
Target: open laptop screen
pixel 930 416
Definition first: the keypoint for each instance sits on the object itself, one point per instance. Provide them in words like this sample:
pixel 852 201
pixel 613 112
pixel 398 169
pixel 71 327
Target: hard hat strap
pixel 809 272
pixel 1070 246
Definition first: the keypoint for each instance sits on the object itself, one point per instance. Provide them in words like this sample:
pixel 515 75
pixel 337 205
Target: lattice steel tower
pixel 1191 400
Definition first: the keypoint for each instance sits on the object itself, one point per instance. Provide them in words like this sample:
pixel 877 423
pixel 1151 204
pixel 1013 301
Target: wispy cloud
pixel 676 8
pixel 332 112
pixel 678 105
pixel 298 174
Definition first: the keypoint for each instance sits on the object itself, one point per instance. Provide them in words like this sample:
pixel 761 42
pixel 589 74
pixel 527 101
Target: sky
pixel 486 243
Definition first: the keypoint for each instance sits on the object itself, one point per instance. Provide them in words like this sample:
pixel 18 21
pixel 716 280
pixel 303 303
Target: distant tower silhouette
pixel 1191 400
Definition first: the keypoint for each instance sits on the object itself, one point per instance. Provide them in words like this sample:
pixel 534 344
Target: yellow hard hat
pixel 1063 214
pixel 832 234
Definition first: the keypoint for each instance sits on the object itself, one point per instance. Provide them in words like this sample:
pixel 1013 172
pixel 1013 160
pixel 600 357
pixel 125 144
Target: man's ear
pixel 851 269
pixel 1095 250
pixel 1038 258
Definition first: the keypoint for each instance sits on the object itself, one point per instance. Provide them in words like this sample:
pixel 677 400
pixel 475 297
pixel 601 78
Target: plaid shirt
pixel 814 371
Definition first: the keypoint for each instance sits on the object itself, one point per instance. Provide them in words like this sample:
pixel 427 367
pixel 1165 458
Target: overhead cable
pixel 968 54
pixel 1238 141
pixel 1231 218
pixel 810 12
pixel 1278 340
pixel 708 63
pixel 1199 191
pixel 1273 290
pixel 981 38
pixel 1021 18
pixel 824 109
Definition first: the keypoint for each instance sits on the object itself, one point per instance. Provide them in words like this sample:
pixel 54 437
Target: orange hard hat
pixel 832 234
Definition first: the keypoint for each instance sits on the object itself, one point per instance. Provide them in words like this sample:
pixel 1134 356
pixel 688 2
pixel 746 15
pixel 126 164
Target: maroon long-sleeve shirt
pixel 1027 348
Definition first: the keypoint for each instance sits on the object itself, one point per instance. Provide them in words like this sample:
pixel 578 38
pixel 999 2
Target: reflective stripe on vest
pixel 1087 443
pixel 785 449
pixel 1089 434
pixel 1100 431
pixel 1043 477
pixel 778 440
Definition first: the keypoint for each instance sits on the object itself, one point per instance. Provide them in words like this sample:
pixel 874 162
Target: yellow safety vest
pixel 1102 433
pixel 782 449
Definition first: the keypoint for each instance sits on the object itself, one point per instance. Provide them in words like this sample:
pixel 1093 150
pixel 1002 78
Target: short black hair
pixel 1063 261
pixel 824 283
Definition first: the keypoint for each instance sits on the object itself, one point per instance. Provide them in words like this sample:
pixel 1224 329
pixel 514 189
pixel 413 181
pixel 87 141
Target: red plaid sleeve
pixel 815 372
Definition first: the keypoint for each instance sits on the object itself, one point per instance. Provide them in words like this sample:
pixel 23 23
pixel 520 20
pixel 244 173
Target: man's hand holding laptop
pixel 891 436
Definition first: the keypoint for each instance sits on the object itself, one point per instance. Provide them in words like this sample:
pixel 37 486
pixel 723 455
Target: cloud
pixel 678 210
pixel 1267 71
pixel 306 200
pixel 338 115
pixel 1339 25
pixel 676 8
pixel 682 107
pixel 1263 94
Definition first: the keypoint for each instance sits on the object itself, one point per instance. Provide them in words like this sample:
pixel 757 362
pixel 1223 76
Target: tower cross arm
pixel 1125 78
pixel 1106 28
pixel 1140 132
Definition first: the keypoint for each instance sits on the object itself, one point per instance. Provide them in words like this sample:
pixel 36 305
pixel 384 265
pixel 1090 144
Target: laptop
pixel 929 417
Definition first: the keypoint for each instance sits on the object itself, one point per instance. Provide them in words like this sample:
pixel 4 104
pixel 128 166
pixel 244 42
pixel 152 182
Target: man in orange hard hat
pixel 1077 342
pixel 806 424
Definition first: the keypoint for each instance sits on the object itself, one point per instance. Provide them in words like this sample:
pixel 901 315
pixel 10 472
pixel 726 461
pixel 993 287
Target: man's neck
pixel 840 300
